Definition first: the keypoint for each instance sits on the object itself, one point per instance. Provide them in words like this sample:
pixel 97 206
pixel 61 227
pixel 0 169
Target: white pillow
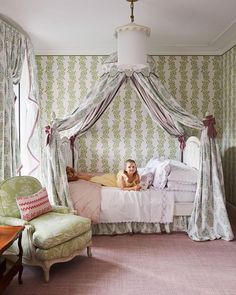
pixel 174 164
pixel 146 180
pixel 161 174
pixel 152 165
pixel 180 175
pixel 140 170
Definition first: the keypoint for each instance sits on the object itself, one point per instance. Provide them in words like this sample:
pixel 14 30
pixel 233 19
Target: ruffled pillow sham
pixel 181 173
pixel 170 171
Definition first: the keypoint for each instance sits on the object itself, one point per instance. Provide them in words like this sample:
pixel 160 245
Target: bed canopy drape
pixel 209 219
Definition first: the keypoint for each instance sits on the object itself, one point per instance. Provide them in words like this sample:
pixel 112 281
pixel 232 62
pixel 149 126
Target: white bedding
pixel 113 205
pixel 184 196
pixel 176 186
pixel 131 206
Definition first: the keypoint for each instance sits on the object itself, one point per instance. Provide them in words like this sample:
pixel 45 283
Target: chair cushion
pixel 66 249
pixel 35 205
pixel 13 187
pixel 53 228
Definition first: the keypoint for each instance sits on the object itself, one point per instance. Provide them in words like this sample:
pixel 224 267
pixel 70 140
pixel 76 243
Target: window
pixel 21 113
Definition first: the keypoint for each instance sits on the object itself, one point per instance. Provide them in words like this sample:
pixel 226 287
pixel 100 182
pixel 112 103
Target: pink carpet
pixel 141 264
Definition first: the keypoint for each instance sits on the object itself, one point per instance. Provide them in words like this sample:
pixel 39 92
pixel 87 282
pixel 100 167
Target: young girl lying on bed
pixel 73 175
pixel 101 178
pixel 128 179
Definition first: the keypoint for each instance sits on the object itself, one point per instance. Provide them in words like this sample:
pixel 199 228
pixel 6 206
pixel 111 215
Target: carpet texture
pixel 158 264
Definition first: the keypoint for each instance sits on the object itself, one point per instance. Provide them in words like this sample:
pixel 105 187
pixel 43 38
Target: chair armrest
pixel 27 244
pixel 61 209
pixel 6 220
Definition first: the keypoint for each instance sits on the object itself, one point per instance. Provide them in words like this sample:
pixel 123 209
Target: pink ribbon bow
pixel 209 122
pixel 48 131
pixel 182 142
pixel 72 141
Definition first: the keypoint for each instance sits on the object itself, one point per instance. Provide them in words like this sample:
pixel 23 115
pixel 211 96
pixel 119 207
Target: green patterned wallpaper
pixel 229 123
pixel 126 129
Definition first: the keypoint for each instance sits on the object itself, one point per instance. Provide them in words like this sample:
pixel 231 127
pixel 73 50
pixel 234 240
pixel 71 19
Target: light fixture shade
pixel 132 44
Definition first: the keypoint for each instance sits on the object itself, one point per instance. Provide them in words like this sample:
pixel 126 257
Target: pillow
pixel 146 180
pixel 151 165
pixel 187 175
pixel 175 186
pixel 34 205
pixel 161 175
pixel 174 164
pixel 141 170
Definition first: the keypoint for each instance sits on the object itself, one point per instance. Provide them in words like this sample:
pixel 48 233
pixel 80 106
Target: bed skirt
pixel 180 223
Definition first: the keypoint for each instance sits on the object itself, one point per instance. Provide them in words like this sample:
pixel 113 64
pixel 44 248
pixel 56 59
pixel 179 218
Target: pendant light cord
pixel 132 9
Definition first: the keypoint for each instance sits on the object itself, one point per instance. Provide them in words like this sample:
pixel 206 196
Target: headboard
pixel 191 154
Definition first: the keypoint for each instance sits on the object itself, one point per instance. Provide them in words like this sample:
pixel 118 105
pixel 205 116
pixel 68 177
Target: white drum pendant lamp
pixel 132 42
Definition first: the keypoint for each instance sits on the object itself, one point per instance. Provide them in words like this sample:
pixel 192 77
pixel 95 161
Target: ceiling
pixel 178 27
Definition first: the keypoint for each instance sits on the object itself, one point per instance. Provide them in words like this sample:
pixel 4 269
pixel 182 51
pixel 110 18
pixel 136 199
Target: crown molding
pixel 160 50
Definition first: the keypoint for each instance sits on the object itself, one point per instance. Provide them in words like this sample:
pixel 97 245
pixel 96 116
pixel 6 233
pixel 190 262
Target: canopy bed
pixel 209 219
pixel 163 206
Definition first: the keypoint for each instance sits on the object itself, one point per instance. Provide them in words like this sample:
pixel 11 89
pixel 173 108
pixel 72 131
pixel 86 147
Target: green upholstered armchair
pixel 53 237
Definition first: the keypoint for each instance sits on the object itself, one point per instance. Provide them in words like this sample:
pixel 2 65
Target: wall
pixel 126 129
pixel 229 123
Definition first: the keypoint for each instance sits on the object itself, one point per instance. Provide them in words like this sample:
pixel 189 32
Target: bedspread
pixel 136 206
pixel 113 205
pixel 86 198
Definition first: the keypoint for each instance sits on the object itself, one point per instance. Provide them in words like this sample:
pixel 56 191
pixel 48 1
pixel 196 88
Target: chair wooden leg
pixel 20 275
pixel 46 269
pixel 89 252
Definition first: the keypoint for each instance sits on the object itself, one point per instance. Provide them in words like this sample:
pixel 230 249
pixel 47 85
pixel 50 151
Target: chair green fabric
pixel 53 237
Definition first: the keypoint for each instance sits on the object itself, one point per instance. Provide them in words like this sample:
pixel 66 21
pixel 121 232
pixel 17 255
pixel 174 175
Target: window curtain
pixel 14 46
pixel 12 51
